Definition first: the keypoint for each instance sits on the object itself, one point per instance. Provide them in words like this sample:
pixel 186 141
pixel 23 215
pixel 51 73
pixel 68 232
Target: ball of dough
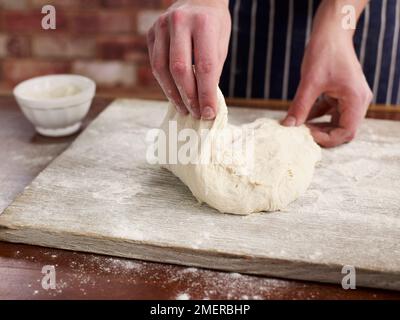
pixel 276 171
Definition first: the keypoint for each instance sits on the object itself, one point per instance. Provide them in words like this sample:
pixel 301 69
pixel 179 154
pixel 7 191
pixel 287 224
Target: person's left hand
pixel 332 83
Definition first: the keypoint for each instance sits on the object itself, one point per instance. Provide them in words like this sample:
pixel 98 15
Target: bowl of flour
pixel 55 104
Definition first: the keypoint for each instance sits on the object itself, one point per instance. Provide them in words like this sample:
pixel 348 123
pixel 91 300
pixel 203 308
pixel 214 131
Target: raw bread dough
pixel 279 170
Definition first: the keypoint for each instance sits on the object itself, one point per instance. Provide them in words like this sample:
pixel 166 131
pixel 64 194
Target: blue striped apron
pixel 269 37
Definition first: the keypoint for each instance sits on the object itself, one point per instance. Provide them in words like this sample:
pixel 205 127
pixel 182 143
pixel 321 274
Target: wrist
pixel 337 5
pixel 203 2
pixel 332 18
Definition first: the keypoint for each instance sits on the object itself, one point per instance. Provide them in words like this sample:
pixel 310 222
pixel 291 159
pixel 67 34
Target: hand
pixel 332 74
pixel 191 29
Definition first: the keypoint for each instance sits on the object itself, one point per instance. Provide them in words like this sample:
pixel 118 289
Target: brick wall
pixel 102 39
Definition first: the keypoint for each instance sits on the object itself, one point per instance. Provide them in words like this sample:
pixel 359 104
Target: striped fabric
pixel 269 37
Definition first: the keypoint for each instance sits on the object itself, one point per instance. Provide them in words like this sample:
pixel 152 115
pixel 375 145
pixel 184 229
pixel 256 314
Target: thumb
pixel 306 95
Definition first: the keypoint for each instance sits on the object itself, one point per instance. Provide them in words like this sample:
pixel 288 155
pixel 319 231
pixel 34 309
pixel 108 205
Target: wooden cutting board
pixel 101 196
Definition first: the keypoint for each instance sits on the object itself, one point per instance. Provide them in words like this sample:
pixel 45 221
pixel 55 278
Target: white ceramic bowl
pixel 56 104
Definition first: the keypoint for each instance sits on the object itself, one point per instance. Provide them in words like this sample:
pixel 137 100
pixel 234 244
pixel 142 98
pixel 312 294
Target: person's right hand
pixel 332 80
pixel 191 32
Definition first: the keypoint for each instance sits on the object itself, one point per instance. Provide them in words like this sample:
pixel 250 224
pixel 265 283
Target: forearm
pixel 337 5
pixel 201 2
pixel 331 15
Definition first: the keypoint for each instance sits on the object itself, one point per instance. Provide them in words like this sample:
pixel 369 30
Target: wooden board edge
pixel 284 269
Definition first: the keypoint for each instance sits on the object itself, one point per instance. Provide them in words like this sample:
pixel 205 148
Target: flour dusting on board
pixel 351 175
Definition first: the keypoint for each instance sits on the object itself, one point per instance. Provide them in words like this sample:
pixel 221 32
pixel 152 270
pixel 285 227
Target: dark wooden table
pixel 23 154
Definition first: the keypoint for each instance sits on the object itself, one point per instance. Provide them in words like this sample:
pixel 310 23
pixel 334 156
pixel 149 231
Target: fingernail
pixel 208 113
pixel 192 107
pixel 290 121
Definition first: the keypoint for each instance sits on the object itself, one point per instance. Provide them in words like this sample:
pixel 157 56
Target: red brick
pixel 107 73
pixel 30 21
pixel 3 45
pixel 14 45
pixel 145 76
pixel 14 4
pixel 167 3
pixel 132 48
pixel 145 19
pixel 67 4
pixel 17 46
pixel 137 56
pixel 103 22
pixel 22 21
pixel 63 46
pixel 17 70
pixel 1 20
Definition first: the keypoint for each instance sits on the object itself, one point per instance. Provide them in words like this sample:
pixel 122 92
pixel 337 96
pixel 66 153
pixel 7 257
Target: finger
pixel 330 137
pixel 352 111
pixel 335 120
pixel 160 64
pixel 321 126
pixel 180 62
pixel 306 95
pixel 207 66
pixel 322 107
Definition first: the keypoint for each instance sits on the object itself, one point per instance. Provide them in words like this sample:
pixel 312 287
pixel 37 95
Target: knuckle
pixel 178 68
pixel 176 17
pixel 362 95
pixel 204 96
pixel 162 21
pixel 351 136
pixel 191 96
pixel 201 19
pixel 369 95
pixel 205 66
